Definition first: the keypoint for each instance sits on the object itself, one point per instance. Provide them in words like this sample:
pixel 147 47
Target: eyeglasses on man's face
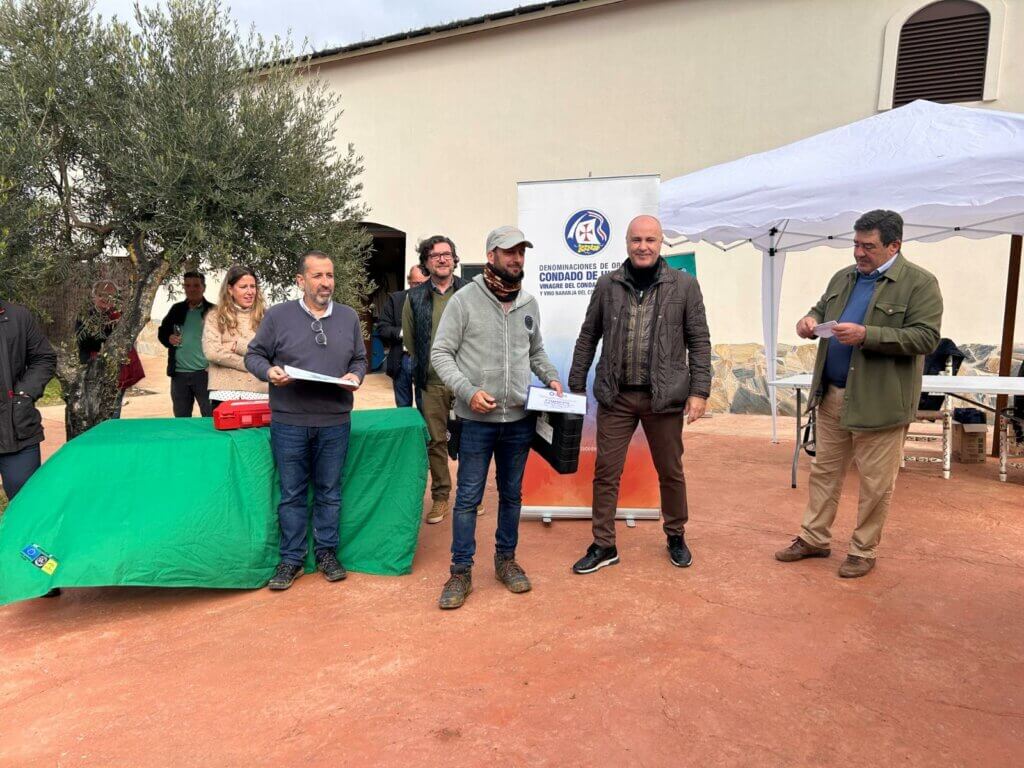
pixel 442 256
pixel 318 328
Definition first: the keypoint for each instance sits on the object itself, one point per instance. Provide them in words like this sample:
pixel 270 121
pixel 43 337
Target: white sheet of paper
pixel 544 399
pixel 299 373
pixel 824 331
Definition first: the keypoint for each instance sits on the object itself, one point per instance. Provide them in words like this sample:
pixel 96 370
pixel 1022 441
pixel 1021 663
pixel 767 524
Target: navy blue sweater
pixel 285 337
pixel 837 361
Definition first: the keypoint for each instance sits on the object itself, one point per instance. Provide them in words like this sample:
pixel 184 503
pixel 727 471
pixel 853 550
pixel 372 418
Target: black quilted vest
pixel 422 302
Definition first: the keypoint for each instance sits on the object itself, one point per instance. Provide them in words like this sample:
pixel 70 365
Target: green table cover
pixel 175 503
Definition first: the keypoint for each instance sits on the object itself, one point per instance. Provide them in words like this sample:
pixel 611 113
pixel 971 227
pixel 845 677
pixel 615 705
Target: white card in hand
pixel 824 331
pixel 299 373
pixel 544 399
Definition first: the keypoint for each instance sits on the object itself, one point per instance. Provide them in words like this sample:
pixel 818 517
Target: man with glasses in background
pixel 420 316
pixel 310 421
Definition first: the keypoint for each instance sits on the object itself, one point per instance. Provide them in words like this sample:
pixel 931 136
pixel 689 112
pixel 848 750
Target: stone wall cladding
pixel 740 384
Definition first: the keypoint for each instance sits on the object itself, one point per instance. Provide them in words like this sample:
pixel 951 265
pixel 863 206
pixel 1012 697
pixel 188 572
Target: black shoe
pixel 596 558
pixel 283 577
pixel 678 552
pixel 328 564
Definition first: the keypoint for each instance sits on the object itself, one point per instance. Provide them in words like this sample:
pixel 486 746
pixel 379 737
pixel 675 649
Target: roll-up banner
pixel 578 230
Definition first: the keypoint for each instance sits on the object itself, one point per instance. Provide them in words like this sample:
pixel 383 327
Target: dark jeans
pixel 16 468
pixel 119 405
pixel 509 443
pixel 402 384
pixel 303 454
pixel 188 387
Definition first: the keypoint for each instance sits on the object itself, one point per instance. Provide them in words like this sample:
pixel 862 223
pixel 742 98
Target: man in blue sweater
pixel 309 426
pixel 876 321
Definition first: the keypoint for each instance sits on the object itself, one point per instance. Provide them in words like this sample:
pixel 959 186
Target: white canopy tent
pixel 948 170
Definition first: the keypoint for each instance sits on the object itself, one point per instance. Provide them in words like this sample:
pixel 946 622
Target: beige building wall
pixel 447 127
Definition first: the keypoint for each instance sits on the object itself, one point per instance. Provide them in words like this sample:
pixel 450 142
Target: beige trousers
pixel 878 461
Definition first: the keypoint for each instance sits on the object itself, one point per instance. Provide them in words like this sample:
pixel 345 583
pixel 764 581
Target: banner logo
pixel 586 232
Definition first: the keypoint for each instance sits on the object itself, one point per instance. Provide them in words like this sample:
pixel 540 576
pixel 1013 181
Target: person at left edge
pixel 310 421
pixel 181 331
pixel 27 363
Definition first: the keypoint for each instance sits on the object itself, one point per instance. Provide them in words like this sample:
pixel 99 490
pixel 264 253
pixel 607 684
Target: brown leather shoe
pixel 854 567
pixel 800 549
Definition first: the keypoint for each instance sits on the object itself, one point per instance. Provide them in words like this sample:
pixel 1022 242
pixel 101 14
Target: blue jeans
pixel 403 385
pixel 16 468
pixel 303 454
pixel 509 443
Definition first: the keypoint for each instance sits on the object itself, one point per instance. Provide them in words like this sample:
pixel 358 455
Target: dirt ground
pixel 736 661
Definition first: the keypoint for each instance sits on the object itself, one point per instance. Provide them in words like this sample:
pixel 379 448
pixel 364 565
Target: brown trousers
pixel 615 428
pixel 878 461
pixel 437 401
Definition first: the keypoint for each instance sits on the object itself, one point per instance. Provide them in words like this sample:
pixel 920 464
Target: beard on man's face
pixel 508 276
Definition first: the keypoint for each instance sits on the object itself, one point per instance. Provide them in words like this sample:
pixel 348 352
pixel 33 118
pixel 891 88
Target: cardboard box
pixel 969 443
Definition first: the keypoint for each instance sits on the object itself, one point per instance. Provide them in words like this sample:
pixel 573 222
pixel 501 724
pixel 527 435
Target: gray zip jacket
pixel 478 346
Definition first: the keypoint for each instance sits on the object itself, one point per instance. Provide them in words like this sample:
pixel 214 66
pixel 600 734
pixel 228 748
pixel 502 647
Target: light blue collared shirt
pixel 885 267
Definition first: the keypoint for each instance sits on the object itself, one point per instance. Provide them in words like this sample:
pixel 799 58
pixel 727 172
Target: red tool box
pixel 239 414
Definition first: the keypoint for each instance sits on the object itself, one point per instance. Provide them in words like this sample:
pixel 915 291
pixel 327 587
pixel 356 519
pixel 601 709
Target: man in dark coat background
pixel 398 364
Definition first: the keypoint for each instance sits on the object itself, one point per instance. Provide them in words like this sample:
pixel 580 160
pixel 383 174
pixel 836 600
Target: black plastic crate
pixel 557 440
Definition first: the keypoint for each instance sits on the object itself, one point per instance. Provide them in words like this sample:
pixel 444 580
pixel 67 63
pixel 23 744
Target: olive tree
pixel 173 142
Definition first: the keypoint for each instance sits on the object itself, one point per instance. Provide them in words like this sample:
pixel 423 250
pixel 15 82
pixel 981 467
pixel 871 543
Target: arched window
pixel 946 51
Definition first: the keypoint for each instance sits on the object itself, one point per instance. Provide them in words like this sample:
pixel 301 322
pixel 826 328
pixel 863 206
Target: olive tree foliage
pixel 168 142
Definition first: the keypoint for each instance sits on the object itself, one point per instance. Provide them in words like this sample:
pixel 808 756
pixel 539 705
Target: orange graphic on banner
pixel 543 487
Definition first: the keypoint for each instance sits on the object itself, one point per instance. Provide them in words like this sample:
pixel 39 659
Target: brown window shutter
pixel 942 54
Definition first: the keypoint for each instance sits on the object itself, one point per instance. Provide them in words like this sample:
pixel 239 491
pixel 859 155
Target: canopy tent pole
pixel 772 263
pixel 1009 323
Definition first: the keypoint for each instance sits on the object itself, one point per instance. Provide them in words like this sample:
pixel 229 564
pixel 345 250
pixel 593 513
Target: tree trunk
pixel 90 390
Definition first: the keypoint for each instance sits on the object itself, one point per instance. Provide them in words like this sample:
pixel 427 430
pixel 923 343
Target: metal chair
pixel 1011 436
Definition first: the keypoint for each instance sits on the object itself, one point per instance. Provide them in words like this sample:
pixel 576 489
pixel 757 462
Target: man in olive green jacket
pixel 883 316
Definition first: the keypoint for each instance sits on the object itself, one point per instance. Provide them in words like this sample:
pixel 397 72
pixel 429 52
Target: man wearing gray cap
pixel 487 343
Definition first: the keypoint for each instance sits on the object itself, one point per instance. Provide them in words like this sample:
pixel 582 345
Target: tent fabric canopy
pixel 949 170
pixel 941 166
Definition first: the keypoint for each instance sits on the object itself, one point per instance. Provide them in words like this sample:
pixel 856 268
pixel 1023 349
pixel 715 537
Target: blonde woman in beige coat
pixel 228 329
